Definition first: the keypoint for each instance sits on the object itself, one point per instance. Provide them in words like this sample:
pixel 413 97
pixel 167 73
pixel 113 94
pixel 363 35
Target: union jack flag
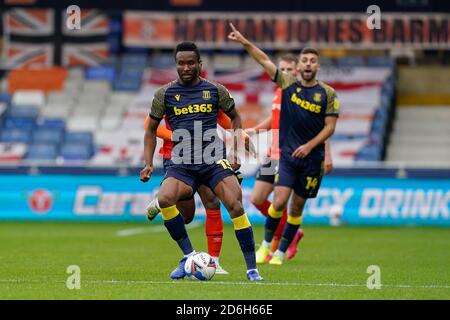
pixel 40 38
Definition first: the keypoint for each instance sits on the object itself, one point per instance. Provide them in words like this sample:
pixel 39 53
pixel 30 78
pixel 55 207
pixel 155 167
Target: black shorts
pixel 207 174
pixel 302 175
pixel 267 171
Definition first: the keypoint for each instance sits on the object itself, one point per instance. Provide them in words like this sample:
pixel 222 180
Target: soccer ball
pixel 200 266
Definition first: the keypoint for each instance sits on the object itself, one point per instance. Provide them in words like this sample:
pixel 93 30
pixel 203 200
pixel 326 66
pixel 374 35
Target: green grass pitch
pixel 132 261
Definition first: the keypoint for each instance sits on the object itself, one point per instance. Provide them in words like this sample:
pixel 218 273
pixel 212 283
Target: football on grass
pixel 200 266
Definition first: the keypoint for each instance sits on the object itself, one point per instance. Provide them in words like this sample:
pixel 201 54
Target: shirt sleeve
pixel 332 103
pixel 163 133
pixel 223 120
pixel 283 79
pixel 226 101
pixel 157 108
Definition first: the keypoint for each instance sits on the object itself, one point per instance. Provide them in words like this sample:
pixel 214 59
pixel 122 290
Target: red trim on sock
pixel 264 207
pixel 214 231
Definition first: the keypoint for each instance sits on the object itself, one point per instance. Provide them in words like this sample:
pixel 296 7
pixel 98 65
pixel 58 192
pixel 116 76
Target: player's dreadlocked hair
pixel 187 46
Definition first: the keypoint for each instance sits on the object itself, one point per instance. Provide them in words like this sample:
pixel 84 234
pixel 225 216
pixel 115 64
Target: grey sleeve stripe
pixel 283 79
pixel 157 108
pixel 226 101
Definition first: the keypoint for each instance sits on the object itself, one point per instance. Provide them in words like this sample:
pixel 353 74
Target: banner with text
pixel 356 200
pixel 288 30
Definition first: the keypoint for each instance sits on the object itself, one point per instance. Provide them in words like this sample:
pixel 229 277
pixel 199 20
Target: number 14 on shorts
pixel 311 183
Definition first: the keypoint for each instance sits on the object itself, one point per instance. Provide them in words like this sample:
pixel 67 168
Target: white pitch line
pixel 151 229
pixel 181 282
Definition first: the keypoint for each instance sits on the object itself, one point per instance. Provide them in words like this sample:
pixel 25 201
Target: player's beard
pixel 310 77
pixel 192 79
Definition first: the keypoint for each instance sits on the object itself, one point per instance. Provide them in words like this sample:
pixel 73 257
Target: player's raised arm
pixel 254 51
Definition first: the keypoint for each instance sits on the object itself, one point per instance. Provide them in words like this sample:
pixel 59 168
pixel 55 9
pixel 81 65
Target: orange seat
pixel 46 79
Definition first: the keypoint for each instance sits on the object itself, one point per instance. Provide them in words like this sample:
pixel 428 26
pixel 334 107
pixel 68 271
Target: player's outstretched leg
pixel 230 193
pixel 172 190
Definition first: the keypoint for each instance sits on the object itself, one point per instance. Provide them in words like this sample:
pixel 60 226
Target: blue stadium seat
pixel 51 123
pixel 19 123
pixel 15 135
pixel 76 151
pixel 100 73
pixel 39 152
pixel 5 97
pixel 79 137
pixel 49 136
pixel 24 111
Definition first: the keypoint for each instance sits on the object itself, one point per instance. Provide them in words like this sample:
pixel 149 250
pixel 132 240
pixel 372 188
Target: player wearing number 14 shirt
pixel 309 111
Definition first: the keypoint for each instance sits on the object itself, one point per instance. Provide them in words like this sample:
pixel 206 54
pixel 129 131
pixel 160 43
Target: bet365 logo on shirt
pixel 193 108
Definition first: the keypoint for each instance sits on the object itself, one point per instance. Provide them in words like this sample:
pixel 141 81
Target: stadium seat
pixel 53 111
pixel 48 136
pixel 100 73
pixel 24 112
pixel 15 135
pixel 50 123
pixel 19 123
pixel 83 122
pixel 97 88
pixel 76 151
pixel 5 97
pixel 58 98
pixel 80 137
pixel 40 152
pixel 28 98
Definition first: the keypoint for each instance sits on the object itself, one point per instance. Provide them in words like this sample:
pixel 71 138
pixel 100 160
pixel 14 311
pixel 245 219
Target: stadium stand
pixel 421 134
pixel 80 122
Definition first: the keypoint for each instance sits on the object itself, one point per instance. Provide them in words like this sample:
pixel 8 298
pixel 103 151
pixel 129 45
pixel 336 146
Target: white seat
pixel 28 97
pixel 109 123
pixel 84 123
pixel 56 112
